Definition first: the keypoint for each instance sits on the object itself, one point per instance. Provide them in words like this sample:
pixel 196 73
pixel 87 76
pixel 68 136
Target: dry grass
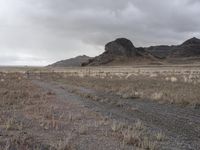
pixel 148 144
pixel 139 125
pixel 156 88
pixel 21 101
pixel 160 136
pixel 132 137
pixel 135 135
pixel 83 129
pixel 116 126
pixel 64 144
pixel 31 118
pixel 13 124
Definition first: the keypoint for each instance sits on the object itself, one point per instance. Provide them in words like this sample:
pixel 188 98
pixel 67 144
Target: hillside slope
pixel 73 62
pixel 189 48
pixel 121 52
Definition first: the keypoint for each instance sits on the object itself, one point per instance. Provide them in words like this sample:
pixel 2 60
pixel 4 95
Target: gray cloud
pixel 43 31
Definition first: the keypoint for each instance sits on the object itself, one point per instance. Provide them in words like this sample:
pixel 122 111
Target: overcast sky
pixel 39 32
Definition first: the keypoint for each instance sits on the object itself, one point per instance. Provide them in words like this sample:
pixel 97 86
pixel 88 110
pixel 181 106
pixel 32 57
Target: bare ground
pixel 180 125
pixel 48 115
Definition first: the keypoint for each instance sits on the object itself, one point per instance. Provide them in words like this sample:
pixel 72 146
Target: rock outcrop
pixel 121 50
pixel 161 51
pixel 190 48
pixel 121 47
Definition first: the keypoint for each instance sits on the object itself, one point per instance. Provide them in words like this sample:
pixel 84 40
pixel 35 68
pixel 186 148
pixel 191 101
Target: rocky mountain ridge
pixel 122 52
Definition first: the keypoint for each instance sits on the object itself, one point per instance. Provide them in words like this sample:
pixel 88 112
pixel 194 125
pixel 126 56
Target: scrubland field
pixel 176 85
pixel 146 107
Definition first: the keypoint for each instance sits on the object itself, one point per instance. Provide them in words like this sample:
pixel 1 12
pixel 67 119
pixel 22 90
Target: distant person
pixel 28 74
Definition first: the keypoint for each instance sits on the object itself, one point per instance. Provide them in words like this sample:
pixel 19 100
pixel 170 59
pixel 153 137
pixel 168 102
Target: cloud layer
pixel 39 32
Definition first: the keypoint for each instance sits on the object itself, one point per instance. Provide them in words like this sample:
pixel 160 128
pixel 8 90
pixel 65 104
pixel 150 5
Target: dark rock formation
pixel 120 50
pixel 190 48
pixel 192 41
pixel 121 47
pixel 161 51
pixel 123 52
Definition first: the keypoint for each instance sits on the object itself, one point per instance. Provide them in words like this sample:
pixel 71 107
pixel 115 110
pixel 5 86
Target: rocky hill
pixel 121 52
pixel 73 62
pixel 161 51
pixel 189 48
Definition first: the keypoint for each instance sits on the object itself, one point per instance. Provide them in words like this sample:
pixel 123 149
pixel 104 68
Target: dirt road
pixel 181 125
